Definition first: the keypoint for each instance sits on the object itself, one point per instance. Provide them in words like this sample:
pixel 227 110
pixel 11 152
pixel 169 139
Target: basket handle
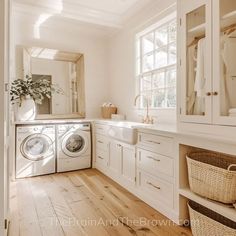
pixel 230 166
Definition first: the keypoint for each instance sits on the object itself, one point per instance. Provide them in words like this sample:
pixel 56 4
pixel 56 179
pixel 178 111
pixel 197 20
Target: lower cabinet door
pixel 114 163
pixel 128 164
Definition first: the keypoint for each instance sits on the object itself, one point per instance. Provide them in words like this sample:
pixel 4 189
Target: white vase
pixel 27 110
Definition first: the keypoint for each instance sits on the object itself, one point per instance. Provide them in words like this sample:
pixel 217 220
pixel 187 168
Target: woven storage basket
pixel 108 111
pixel 213 175
pixel 205 222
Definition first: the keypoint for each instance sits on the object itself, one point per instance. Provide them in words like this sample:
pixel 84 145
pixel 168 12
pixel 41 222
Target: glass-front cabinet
pixel 195 60
pixel 207 61
pixel 224 62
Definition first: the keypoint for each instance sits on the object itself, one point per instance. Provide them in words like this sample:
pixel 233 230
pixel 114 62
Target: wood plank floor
pixel 82 203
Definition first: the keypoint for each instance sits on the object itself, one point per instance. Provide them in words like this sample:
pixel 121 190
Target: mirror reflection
pixel 63 69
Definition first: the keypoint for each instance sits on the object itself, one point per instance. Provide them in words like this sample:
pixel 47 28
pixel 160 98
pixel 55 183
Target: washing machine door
pixel 74 144
pixel 37 147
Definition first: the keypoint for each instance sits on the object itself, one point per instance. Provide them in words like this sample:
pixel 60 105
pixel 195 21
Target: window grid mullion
pixel 155 71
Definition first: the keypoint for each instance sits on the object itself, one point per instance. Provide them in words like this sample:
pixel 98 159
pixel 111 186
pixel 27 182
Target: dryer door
pixel 37 147
pixel 75 144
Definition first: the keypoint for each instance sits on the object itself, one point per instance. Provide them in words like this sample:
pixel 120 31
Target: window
pixel 156 64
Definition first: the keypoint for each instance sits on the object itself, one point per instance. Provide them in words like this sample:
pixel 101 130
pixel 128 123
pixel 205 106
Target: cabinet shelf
pixel 198 30
pixel 227 211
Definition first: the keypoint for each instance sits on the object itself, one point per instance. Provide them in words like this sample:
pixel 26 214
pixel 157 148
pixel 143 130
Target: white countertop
pixel 165 129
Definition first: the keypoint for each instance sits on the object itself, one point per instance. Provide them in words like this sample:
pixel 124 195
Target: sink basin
pixel 125 131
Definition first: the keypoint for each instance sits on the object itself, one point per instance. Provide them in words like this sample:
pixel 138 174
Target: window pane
pixel 146 83
pixel 159 98
pixel 172 54
pixel 138 66
pixel 161 58
pixel 156 66
pixel 171 78
pixel 148 62
pixel 143 100
pixel 148 43
pixel 161 37
pixel 137 48
pixel 172 31
pixel 171 97
pixel 158 80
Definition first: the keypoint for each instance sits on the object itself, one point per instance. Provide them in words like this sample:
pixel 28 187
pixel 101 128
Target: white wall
pixel 67 39
pixel 122 64
pixel 59 70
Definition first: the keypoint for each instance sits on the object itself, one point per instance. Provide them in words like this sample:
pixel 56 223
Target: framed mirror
pixel 63 69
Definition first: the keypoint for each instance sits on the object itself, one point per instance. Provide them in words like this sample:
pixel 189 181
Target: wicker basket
pixel 108 111
pixel 213 175
pixel 205 222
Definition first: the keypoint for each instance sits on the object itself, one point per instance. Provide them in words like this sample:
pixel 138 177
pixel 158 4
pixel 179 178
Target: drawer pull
pixel 100 157
pixel 154 186
pixel 99 128
pixel 151 141
pixel 100 141
pixel 154 159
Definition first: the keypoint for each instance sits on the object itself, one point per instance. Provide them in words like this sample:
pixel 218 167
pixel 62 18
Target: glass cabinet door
pixel 195 61
pixel 224 61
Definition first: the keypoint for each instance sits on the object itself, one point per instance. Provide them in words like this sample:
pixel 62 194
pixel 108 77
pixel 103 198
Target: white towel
pixel 200 79
pixel 229 56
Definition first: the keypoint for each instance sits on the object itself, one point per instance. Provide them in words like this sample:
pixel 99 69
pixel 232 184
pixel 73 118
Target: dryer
pixel 73 147
pixel 35 150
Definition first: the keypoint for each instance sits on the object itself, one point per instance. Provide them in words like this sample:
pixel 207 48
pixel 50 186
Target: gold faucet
pixel 147 119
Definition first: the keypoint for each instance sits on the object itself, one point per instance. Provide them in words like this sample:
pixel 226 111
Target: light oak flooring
pixel 82 203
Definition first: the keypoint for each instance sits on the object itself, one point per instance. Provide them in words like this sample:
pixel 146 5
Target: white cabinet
pixel 128 164
pixel 115 152
pixel 224 58
pixel 207 55
pixel 195 27
pixel 113 158
pixel 156 172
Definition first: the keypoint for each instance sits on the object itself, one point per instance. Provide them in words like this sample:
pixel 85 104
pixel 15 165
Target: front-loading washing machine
pixel 73 147
pixel 35 150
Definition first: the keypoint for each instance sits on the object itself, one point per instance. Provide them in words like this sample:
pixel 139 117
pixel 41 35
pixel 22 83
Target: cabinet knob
pixel 208 94
pixel 215 93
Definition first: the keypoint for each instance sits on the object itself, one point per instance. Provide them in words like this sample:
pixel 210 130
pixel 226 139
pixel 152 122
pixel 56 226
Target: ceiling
pixel 105 13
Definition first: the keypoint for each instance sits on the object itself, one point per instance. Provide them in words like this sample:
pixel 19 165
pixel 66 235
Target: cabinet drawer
pixel 156 189
pixel 101 129
pixel 101 157
pixel 161 144
pixel 102 142
pixel 154 163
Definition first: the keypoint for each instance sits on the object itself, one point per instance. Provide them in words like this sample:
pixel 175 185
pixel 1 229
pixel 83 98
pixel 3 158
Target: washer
pixel 73 147
pixel 35 150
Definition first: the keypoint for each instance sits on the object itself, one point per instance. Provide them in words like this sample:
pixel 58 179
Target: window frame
pixel 139 55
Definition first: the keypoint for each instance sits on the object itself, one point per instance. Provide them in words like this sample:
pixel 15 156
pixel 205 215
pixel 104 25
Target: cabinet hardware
pixel 100 141
pixel 208 94
pixel 150 141
pixel 150 157
pixel 118 145
pixel 215 93
pixel 99 128
pixel 6 87
pixel 100 157
pixel 154 186
pixel 5 224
